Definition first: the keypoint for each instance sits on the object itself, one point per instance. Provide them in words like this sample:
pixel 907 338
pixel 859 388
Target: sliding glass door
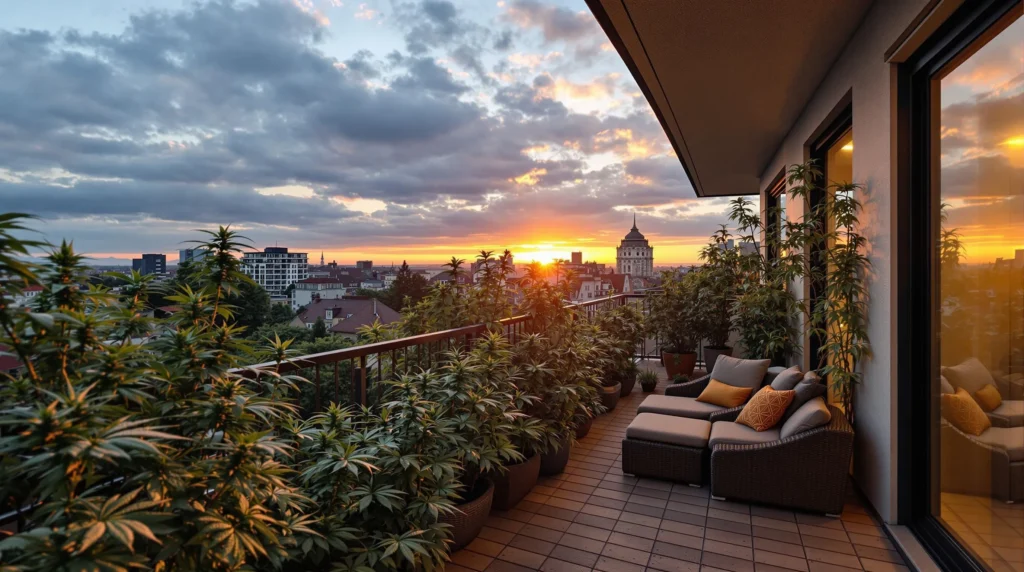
pixel 962 333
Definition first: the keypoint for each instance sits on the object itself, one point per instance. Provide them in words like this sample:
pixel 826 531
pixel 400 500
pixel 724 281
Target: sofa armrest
pixel 688 389
pixel 808 471
pixel 726 414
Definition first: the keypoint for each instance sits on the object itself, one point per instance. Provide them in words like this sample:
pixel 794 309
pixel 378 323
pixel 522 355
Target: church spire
pixel 634 221
pixel 321 258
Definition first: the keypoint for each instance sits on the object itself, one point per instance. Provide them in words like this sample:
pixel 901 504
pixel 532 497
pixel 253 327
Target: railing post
pixel 359 382
pixel 317 403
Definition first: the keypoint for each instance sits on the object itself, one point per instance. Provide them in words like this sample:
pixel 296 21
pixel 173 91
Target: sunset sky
pixel 383 130
pixel 982 176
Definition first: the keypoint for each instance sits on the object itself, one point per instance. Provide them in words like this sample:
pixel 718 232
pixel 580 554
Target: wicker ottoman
pixel 667 447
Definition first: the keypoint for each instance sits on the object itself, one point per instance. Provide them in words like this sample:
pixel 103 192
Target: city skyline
pixel 378 129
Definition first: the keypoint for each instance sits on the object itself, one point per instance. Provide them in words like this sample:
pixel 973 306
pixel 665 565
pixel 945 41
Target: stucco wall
pixel 861 71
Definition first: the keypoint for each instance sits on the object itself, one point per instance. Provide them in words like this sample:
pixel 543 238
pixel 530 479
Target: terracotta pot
pixel 584 428
pixel 679 364
pixel 628 382
pixel 469 518
pixel 515 483
pixel 711 355
pixel 610 396
pixel 554 463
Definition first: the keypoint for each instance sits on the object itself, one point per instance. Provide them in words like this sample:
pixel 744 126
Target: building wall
pixel 301 297
pixel 862 72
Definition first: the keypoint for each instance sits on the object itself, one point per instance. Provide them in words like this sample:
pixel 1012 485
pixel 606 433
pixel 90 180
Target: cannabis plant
pixel 122 454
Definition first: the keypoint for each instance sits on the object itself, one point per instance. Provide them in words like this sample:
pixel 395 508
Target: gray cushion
pixel 1011 412
pixel 669 429
pixel 812 414
pixel 971 375
pixel 787 379
pixel 947 387
pixel 1010 440
pixel 728 432
pixel 678 406
pixel 808 388
pixel 740 372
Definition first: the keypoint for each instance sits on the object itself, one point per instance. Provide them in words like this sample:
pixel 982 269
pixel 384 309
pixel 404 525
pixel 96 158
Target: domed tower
pixel 634 255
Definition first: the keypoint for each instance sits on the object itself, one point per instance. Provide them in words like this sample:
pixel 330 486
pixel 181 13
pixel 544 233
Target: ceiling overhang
pixel 727 78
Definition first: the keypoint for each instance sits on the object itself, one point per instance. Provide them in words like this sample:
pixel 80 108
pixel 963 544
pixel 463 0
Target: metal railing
pixel 361 367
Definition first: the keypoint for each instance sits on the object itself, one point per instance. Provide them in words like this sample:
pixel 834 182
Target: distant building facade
pixel 191 255
pixel 364 265
pixel 275 269
pixel 150 264
pixel 577 257
pixel 310 289
pixel 634 255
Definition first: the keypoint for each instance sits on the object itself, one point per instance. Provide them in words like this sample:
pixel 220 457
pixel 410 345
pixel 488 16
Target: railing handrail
pixel 361 351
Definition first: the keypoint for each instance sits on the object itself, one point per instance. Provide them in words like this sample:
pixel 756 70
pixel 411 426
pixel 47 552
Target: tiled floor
pixel 593 517
pixel 992 529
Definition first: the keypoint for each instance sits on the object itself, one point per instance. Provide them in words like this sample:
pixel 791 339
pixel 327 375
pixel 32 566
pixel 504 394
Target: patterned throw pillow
pixel 765 409
pixel 723 394
pixel 964 413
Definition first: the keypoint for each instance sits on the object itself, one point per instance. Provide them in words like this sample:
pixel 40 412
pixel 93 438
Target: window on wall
pixel 833 154
pixel 775 215
pixel 980 314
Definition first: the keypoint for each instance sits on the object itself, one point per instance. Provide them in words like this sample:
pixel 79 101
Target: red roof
pixel 32 288
pixel 320 281
pixel 8 362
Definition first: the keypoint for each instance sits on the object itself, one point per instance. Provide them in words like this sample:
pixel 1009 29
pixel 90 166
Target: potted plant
pixel 717 283
pixel 648 380
pixel 527 434
pixel 674 321
pixel 481 414
pixel 629 378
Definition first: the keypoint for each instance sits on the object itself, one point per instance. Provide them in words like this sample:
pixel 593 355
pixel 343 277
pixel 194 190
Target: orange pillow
pixel 765 409
pixel 724 395
pixel 964 413
pixel 988 397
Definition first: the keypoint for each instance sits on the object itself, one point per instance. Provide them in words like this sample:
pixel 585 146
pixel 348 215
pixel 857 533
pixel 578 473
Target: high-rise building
pixel 191 255
pixel 366 265
pixel 275 269
pixel 150 264
pixel 634 255
pixel 577 258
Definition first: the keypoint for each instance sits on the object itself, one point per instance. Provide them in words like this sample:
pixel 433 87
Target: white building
pixel 322 288
pixel 634 255
pixel 275 269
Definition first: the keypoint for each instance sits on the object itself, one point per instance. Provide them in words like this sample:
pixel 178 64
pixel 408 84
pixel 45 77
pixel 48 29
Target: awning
pixel 727 78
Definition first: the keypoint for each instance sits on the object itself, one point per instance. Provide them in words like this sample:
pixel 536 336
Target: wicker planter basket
pixel 584 428
pixel 610 396
pixel 468 518
pixel 515 483
pixel 679 364
pixel 554 463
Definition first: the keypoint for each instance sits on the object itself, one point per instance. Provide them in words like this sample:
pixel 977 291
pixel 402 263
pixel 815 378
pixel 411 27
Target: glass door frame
pixel 917 273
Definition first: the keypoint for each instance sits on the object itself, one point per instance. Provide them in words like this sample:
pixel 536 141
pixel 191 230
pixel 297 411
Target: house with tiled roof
pixel 344 316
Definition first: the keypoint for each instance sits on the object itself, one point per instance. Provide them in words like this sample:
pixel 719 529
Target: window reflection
pixel 981 303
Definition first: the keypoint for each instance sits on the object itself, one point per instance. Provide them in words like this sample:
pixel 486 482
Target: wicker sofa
pixel 807 471
pixel 693 388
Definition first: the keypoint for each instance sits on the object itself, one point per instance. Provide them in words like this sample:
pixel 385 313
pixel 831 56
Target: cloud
pixel 556 23
pixel 234 112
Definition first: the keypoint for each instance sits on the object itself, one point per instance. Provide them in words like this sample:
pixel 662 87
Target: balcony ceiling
pixel 727 78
